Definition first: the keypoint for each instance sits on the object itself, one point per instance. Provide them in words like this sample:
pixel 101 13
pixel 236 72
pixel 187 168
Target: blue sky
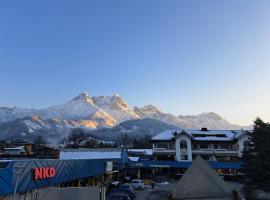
pixel 186 57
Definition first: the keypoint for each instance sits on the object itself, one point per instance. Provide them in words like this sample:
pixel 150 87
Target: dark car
pixel 118 197
pixel 126 191
pixel 127 186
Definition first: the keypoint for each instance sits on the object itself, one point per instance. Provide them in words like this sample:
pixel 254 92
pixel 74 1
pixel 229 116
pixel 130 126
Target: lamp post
pixel 17 169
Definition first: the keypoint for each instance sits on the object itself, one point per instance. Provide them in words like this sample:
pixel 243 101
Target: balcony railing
pixel 214 151
pixel 164 150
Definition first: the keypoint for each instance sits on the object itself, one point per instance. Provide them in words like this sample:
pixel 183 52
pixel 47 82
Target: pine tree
pixel 256 157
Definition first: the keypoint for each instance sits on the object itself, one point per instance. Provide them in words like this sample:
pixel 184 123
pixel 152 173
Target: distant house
pixel 15 150
pixel 22 149
pixel 27 145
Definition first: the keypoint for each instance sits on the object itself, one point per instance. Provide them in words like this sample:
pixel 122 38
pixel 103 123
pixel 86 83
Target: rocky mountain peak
pixel 211 115
pixel 115 102
pixel 151 108
pixel 85 97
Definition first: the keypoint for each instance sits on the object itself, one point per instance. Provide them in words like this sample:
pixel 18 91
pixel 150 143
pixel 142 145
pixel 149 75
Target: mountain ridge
pixel 98 112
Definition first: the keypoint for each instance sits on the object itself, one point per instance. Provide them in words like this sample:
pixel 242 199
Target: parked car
pixel 127 186
pixel 137 184
pixel 112 185
pixel 128 192
pixel 127 178
pixel 118 197
pixel 161 180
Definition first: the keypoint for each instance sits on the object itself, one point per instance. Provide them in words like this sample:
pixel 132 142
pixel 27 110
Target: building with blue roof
pixel 73 167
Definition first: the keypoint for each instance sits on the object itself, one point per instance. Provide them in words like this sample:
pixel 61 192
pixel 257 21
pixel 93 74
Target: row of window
pixel 183 145
pixel 214 146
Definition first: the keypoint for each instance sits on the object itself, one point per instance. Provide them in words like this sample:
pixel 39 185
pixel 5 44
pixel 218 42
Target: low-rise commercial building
pixel 75 167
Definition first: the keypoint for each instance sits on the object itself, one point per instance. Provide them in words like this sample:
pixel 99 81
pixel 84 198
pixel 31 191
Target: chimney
pixel 204 129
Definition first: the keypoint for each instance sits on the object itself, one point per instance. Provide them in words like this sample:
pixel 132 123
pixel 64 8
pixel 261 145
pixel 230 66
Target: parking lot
pixel 161 191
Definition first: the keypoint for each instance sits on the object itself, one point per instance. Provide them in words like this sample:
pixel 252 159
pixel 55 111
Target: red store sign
pixel 40 173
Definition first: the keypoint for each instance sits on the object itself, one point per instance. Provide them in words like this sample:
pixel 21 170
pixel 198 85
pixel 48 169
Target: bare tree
pixel 76 136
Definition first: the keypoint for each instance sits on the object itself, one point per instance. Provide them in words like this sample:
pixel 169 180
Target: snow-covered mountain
pixel 116 107
pixel 150 111
pixel 10 113
pixel 136 128
pixel 210 120
pixel 80 109
pixel 94 113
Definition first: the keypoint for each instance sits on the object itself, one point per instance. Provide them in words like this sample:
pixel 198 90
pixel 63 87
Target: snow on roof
pixel 144 151
pixel 199 135
pixel 134 159
pixel 228 133
pixel 165 135
pixel 69 154
pixel 212 138
pixel 14 148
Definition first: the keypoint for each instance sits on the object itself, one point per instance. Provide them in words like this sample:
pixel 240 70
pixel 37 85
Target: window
pixel 162 145
pixel 171 146
pixel 224 146
pixel 216 146
pixel 184 157
pixel 183 144
pixel 204 146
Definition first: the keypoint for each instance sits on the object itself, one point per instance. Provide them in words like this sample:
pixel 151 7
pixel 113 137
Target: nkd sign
pixel 40 173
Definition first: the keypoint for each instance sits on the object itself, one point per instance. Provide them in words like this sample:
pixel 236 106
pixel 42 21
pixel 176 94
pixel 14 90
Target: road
pixel 159 192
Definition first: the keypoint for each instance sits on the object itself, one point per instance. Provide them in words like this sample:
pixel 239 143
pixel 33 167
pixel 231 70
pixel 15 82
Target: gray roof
pixel 201 182
pixel 69 154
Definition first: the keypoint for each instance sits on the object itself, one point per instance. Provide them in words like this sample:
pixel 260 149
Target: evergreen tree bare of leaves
pixel 256 159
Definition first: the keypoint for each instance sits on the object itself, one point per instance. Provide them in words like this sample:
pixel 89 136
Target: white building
pixel 185 145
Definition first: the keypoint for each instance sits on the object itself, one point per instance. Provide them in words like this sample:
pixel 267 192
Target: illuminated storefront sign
pixel 40 173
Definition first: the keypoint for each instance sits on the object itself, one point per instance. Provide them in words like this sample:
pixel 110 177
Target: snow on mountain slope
pixel 115 106
pixel 81 107
pixel 81 110
pixel 11 113
pixel 150 111
pixel 210 120
pixel 97 112
pixel 28 128
pixel 136 128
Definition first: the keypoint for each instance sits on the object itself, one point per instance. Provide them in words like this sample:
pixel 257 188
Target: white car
pixel 137 184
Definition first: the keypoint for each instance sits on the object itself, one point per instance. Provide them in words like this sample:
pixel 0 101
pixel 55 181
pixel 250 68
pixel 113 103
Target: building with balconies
pixel 212 145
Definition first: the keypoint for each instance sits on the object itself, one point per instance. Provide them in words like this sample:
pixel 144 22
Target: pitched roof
pixel 69 154
pixel 148 152
pixel 14 148
pixel 200 135
pixel 165 135
pixel 170 134
pixel 201 182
